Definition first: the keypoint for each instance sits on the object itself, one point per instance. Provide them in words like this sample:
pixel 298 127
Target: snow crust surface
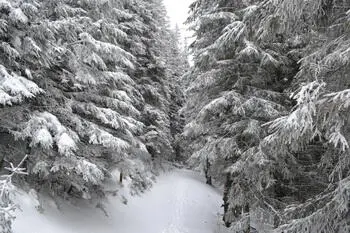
pixel 179 202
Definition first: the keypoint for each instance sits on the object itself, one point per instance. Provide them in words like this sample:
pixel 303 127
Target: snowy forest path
pixel 179 202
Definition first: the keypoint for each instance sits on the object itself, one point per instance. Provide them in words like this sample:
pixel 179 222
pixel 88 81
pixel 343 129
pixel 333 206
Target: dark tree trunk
pixel 227 188
pixel 209 181
pixel 121 177
pixel 206 171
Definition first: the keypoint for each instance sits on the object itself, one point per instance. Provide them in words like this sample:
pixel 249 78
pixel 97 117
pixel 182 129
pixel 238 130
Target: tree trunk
pixel 121 178
pixel 228 185
pixel 206 171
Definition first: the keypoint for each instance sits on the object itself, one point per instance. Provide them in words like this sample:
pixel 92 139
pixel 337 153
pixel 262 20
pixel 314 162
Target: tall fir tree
pixel 236 87
pixel 275 151
pixel 85 91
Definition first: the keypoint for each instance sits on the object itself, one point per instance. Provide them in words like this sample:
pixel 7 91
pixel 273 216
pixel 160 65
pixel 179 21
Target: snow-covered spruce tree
pixel 89 119
pixel 235 86
pixel 177 63
pixel 16 83
pixel 85 124
pixel 297 176
pixel 310 144
pixel 17 86
pixel 176 55
pixel 156 51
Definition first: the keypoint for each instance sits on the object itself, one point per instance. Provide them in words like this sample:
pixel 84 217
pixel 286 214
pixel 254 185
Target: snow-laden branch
pixel 7 207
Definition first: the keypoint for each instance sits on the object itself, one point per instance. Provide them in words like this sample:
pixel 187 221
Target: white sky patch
pixel 178 13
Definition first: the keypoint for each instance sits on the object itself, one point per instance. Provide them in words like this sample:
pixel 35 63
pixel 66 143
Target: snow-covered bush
pixel 7 207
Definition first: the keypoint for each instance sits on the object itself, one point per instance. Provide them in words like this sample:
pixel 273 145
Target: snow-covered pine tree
pixel 312 140
pixel 17 87
pixel 88 118
pixel 177 65
pixel 156 75
pixel 236 85
pixel 86 122
pixel 297 174
pixel 176 55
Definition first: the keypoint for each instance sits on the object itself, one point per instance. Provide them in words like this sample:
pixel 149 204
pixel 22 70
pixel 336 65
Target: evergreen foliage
pixel 266 111
pixel 91 87
pixel 7 207
pixel 85 89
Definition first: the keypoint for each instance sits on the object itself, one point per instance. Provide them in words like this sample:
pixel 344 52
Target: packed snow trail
pixel 179 202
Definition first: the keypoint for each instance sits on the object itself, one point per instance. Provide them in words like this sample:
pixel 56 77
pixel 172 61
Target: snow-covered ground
pixel 180 202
